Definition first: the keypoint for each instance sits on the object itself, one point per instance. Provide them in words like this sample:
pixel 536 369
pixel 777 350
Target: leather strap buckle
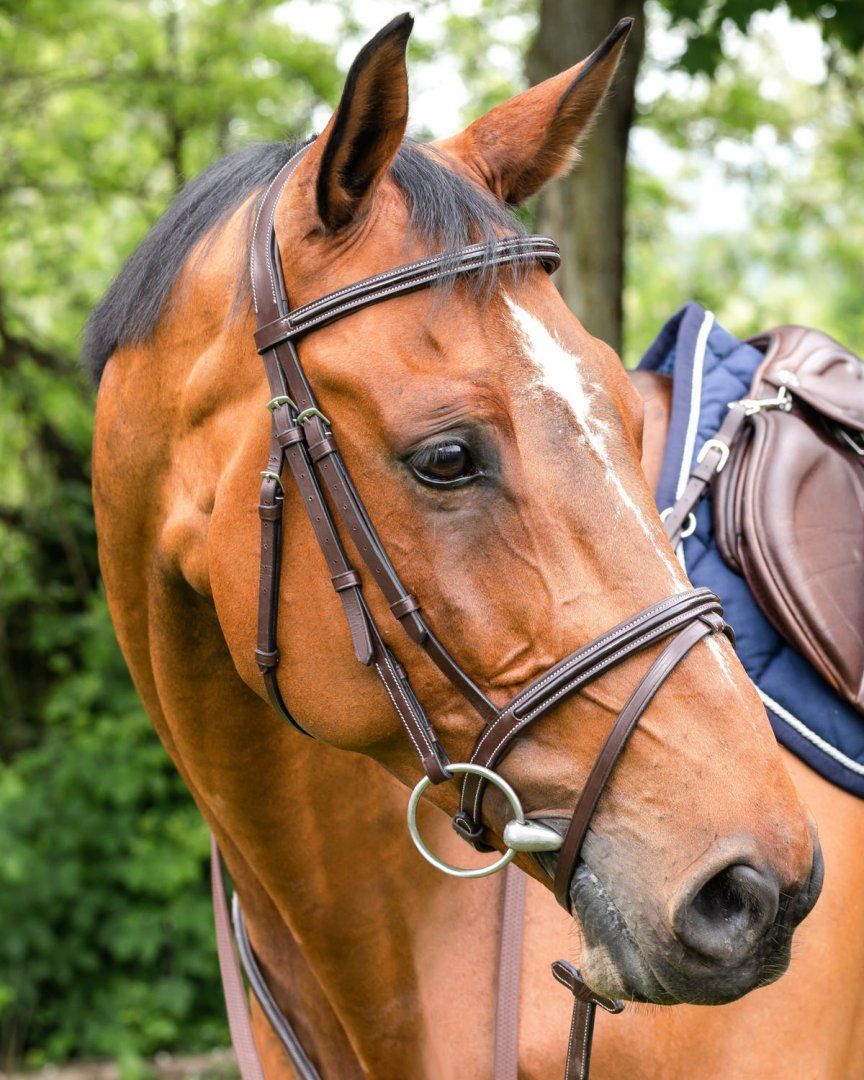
pixel 307 414
pixel 281 399
pixel 714 444
pixel 268 474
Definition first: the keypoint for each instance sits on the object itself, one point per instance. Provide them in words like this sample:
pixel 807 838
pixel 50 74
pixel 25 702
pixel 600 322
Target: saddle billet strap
pixel 404 279
pixel 711 460
pixel 615 742
pixel 585 1002
pixel 572 673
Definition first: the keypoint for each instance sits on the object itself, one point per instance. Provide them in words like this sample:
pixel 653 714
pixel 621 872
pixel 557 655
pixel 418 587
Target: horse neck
pixel 355 933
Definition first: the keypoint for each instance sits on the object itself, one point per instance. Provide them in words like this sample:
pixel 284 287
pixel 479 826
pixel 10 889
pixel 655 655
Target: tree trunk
pixel 585 212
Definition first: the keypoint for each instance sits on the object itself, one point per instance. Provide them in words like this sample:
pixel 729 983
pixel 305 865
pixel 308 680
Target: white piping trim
pixel 695 403
pixel 811 736
pixel 693 417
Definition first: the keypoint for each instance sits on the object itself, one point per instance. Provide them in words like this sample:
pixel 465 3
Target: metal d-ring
pixel 439 864
pixel 689 526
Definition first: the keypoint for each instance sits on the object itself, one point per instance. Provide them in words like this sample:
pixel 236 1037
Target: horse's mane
pixel 447 211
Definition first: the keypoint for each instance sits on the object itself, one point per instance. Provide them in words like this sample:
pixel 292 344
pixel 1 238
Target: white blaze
pixel 559 371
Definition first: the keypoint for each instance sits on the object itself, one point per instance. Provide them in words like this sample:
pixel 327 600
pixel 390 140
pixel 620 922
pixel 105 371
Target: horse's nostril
pixel 729 914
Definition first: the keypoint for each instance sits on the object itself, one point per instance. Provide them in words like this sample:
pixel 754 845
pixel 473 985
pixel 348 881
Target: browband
pixel 405 279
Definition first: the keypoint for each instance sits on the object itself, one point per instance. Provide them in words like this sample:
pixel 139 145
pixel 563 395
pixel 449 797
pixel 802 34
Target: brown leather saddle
pixel 789 498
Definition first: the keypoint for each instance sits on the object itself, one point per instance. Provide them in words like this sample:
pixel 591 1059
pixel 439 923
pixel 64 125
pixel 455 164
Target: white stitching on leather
pixel 399 712
pixel 300 324
pixel 643 616
pixel 408 704
pixel 538 243
pixel 577 658
pixel 657 634
pixel 570 1043
pixel 532 250
pixel 290 165
pixel 585 1042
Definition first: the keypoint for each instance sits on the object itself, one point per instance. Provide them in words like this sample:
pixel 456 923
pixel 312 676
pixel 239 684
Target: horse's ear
pixel 367 129
pixel 520 145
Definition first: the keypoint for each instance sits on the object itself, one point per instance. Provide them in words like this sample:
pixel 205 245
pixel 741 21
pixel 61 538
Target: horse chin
pixel 617 963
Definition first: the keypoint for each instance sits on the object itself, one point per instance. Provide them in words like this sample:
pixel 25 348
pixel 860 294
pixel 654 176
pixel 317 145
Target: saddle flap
pixel 789 515
pixel 817 369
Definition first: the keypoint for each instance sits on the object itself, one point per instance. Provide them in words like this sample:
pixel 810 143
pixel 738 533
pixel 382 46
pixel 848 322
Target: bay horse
pixel 497 448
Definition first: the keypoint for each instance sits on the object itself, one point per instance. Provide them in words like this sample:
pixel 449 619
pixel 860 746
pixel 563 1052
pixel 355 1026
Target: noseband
pixel 302 434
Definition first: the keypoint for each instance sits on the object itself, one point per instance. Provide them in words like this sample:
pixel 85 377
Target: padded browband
pixel 405 279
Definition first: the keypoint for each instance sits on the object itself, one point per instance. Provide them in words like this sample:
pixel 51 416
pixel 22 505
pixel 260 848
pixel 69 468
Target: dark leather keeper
pixel 466 827
pixel 322 448
pixel 266 658
pixel 405 606
pixel 270 511
pixel 274 333
pixel 290 436
pixel 349 580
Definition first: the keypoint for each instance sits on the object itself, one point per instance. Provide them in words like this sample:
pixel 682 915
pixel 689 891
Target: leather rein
pixel 302 437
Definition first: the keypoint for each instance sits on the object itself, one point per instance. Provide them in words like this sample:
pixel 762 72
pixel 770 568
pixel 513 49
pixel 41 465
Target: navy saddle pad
pixel 710 368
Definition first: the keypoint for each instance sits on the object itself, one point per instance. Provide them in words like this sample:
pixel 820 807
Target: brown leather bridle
pixel 302 435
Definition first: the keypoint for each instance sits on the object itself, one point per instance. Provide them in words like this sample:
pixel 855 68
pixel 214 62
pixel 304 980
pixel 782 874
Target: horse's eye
pixel 446 464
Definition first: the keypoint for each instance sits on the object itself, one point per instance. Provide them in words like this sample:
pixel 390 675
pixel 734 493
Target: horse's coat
pixel 560 371
pixel 710 368
pixel 356 936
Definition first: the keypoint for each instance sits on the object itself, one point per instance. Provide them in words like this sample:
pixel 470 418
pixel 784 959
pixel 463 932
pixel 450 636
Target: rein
pixel 301 435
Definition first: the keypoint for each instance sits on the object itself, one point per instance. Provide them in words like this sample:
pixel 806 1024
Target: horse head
pixel 496 446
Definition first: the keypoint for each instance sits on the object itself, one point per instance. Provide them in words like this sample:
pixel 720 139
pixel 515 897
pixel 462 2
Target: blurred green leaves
pixel 705 22
pixel 105 109
pixel 108 947
pixel 785 242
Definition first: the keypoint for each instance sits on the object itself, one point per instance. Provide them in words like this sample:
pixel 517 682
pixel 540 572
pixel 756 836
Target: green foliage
pixel 106 108
pixel 840 22
pixel 794 152
pixel 108 949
